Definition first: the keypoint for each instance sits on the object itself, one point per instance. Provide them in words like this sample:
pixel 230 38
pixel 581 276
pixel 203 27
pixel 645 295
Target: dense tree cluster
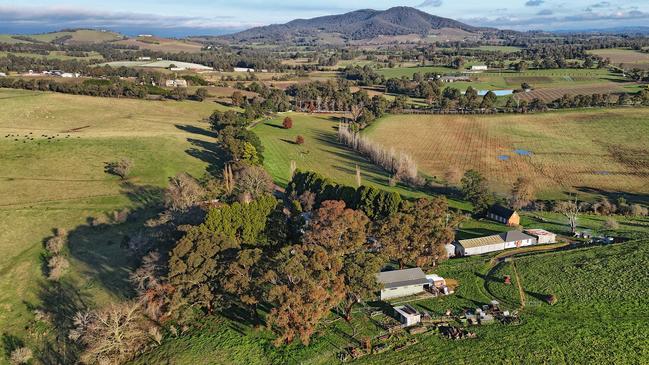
pixel 374 203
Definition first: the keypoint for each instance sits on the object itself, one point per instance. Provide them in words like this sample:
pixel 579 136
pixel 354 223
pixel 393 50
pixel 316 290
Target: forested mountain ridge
pixel 357 25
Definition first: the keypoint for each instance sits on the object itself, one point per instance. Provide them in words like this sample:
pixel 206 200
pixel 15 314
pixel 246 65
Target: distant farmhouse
pixel 498 242
pixel 479 68
pixel 402 283
pixel 2 74
pixel 504 215
pixel 176 83
pixel 451 79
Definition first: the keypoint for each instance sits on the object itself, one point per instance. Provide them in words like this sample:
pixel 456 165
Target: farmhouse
pixel 408 316
pixel 401 283
pixel 504 215
pixel 176 83
pixel 498 242
pixel 451 79
pixel 243 69
pixel 542 236
pixel 479 68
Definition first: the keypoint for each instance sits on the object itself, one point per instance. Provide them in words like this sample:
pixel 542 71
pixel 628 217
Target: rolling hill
pixel 358 25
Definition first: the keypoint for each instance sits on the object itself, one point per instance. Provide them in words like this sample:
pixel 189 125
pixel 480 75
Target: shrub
pixel 611 224
pixel 57 265
pixel 21 355
pixel 299 140
pixel 287 123
pixel 551 299
pixel 55 244
pixel 121 168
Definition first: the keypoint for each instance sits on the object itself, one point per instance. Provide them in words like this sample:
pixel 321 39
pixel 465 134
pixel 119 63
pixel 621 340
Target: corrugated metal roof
pixel 510 236
pixel 398 278
pixel 481 241
pixel 514 236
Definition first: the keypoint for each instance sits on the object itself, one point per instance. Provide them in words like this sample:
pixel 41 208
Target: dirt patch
pixel 551 94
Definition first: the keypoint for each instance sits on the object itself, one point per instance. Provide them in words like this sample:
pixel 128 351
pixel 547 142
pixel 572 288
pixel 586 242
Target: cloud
pixel 430 3
pixel 534 2
pixel 68 17
pixel 545 12
pixel 601 4
pixel 549 21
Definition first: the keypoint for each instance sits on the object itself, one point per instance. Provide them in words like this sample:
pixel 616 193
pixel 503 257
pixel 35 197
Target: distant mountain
pixel 358 25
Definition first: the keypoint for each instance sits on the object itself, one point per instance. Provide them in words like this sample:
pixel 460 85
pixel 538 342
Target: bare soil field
pixel 560 151
pixel 553 93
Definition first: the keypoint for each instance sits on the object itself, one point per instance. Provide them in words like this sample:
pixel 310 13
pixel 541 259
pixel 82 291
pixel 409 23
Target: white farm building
pixel 542 236
pixel 402 283
pixel 498 242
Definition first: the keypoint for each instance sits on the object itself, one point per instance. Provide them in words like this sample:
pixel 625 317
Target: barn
pixel 498 242
pixel 401 283
pixel 542 236
pixel 504 215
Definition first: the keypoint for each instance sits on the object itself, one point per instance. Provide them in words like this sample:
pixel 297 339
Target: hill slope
pixel 357 25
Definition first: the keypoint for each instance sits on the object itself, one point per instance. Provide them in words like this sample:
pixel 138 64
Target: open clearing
pixel 585 149
pixel 627 57
pixel 321 153
pixel 58 181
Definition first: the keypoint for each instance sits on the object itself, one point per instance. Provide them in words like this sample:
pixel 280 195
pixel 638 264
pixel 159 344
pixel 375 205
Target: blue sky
pixel 172 17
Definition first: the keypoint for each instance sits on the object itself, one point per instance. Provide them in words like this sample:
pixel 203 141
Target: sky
pixel 211 17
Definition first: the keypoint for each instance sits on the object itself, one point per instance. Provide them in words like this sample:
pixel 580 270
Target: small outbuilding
pixel 542 236
pixel 436 280
pixel 402 283
pixel 503 215
pixel 407 315
pixel 2 74
pixel 479 68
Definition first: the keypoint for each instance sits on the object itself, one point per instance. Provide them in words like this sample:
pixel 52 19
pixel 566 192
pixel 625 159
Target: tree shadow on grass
pixel 209 152
pixel 104 263
pixel 11 343
pixel 196 130
pixel 62 301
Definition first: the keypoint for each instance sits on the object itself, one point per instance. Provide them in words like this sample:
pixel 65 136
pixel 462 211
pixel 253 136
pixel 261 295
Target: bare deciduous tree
pixel 523 193
pixel 571 210
pixel 254 180
pixel 21 355
pixel 183 192
pixel 57 266
pixel 113 335
pixel 402 165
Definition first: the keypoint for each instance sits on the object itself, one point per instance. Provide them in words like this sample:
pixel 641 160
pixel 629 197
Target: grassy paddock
pixel 594 151
pixel 58 181
pixel 321 153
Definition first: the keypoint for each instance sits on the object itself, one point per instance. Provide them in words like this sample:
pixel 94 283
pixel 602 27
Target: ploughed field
pixel 559 151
